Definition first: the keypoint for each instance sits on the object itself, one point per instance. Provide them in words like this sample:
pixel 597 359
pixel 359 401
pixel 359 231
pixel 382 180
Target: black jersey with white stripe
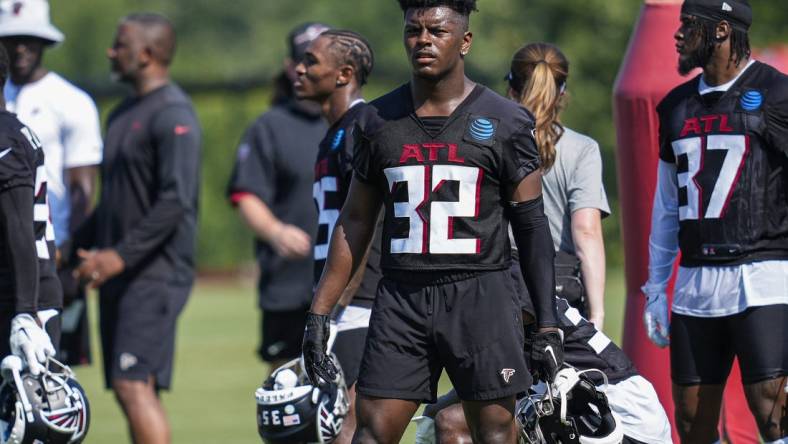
pixel 333 172
pixel 585 347
pixel 444 191
pixel 731 155
pixel 22 167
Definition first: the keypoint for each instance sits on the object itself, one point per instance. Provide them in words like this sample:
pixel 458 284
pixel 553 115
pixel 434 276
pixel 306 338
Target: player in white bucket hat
pixel 66 121
pixel 28 18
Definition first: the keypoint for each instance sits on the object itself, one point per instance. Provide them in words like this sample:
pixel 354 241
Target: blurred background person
pixel 66 122
pixel 574 195
pixel 145 225
pixel 332 73
pixel 271 186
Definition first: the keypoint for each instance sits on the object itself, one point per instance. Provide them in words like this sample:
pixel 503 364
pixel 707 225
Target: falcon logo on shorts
pixel 127 361
pixel 506 374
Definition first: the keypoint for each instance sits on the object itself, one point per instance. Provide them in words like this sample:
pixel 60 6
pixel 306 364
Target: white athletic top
pixel 66 121
pixel 705 291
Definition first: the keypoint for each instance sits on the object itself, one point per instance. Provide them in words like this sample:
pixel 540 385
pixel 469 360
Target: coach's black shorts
pixel 702 349
pixel 282 333
pixel 471 327
pixel 137 323
pixel 349 347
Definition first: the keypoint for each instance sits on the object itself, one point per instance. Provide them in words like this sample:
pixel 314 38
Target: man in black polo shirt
pixel 144 227
pixel 451 163
pixel 271 185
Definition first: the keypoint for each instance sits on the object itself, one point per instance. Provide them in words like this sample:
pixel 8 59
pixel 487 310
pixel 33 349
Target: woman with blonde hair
pixel 574 196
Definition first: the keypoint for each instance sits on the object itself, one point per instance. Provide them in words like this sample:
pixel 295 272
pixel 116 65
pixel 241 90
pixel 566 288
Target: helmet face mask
pixel 51 407
pixel 291 410
pixel 572 411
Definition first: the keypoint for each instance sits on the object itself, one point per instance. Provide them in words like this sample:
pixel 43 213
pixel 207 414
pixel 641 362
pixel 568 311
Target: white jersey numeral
pixel 736 150
pixel 325 216
pixel 437 237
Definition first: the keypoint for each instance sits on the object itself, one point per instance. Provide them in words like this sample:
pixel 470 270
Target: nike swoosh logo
pixel 4 152
pixel 549 349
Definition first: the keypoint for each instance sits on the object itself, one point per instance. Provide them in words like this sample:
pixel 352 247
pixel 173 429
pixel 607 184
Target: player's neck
pixel 442 96
pixel 721 70
pixel 151 81
pixel 36 75
pixel 337 105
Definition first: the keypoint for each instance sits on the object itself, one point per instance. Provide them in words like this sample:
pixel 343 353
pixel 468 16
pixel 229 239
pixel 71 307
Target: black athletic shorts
pixel 6 314
pixel 702 349
pixel 137 322
pixel 282 333
pixel 471 327
pixel 349 347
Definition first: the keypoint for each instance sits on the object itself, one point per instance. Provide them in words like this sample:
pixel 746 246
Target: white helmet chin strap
pixel 565 380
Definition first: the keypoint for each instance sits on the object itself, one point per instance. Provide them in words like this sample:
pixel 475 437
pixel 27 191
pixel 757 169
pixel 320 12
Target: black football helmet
pixel 50 408
pixel 291 410
pixel 572 410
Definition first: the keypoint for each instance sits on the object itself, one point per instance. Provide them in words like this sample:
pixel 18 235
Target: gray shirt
pixel 574 182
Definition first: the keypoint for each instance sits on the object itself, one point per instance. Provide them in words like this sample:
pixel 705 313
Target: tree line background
pixel 229 51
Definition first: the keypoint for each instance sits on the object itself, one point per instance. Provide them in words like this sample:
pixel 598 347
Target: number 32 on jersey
pixel 735 147
pixel 437 235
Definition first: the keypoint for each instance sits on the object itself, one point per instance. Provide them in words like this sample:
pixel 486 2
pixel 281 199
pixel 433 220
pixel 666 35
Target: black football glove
pixel 318 364
pixel 547 354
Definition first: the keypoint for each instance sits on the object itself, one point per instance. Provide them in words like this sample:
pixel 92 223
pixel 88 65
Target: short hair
pixel 4 65
pixel 159 34
pixel 464 7
pixel 352 48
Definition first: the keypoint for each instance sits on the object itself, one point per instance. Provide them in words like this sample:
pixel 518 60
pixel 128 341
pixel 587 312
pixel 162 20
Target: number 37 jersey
pixel 731 155
pixel 444 191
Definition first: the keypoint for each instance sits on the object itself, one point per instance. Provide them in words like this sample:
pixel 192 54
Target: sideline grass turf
pixel 216 370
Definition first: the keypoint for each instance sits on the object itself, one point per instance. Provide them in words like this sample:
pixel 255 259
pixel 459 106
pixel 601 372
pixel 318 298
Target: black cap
pixel 736 12
pixel 301 36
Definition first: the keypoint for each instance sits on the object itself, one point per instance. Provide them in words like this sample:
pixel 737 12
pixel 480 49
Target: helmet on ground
pixel 572 410
pixel 49 408
pixel 291 410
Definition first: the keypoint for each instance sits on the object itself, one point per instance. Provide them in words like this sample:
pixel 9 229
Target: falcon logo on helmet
pixel 290 409
pixel 49 408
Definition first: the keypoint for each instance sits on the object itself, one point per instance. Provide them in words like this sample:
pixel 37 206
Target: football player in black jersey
pixel 452 163
pixel 332 72
pixel 30 292
pixel 722 200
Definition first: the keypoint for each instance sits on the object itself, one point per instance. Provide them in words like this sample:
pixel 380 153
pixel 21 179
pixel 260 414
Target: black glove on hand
pixel 547 354
pixel 318 364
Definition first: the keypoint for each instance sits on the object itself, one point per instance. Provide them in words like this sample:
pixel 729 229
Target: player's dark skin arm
pixel 16 224
pixel 82 191
pixel 349 244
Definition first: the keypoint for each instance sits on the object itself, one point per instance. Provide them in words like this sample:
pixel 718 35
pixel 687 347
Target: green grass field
pixel 216 370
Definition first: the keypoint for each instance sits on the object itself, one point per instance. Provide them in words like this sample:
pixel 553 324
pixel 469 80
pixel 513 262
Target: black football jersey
pixel 731 156
pixel 444 194
pixel 22 164
pixel 333 171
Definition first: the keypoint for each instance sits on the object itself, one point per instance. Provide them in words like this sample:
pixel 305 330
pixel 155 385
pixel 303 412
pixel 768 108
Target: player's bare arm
pixel 349 244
